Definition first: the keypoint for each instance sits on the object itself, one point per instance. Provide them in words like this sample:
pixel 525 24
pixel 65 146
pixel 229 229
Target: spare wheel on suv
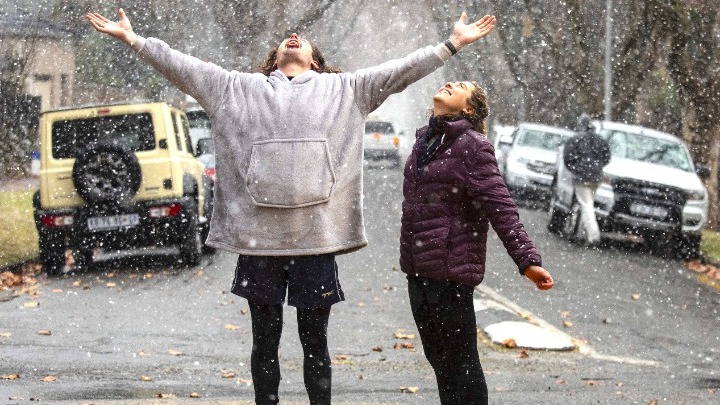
pixel 106 173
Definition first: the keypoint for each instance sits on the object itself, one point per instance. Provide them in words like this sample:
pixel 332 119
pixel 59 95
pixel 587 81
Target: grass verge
pixel 18 236
pixel 710 246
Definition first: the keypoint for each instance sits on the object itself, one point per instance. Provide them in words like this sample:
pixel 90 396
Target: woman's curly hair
pixel 270 63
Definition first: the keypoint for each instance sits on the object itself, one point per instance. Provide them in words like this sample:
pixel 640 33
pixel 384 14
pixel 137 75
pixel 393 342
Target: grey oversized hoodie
pixel 288 152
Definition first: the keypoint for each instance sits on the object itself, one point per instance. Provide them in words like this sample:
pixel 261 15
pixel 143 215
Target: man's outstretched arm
pixel 204 81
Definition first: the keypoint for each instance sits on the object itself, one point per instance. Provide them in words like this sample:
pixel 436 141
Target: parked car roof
pixel 544 127
pixel 635 129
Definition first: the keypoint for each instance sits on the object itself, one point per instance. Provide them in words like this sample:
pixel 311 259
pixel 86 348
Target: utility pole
pixel 607 99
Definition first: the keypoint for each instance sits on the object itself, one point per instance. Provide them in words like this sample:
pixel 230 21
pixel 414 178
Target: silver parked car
pixel 383 142
pixel 527 158
pixel 651 190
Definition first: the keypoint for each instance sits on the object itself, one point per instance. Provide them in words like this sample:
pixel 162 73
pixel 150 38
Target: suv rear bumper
pixel 149 231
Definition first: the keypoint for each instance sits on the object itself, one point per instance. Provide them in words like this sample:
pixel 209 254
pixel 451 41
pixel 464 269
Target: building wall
pixel 51 72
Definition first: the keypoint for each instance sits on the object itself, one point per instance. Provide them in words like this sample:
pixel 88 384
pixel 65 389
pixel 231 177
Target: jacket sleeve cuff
pixel 443 52
pixel 137 43
pixel 532 260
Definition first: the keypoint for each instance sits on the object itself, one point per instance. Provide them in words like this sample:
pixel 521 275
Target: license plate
pixel 113 222
pixel 648 210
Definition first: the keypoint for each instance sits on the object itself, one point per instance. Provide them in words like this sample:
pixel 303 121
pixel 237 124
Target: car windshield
pixel 205 145
pixel 648 149
pixel 198 119
pixel 379 126
pixel 542 139
pixel 134 131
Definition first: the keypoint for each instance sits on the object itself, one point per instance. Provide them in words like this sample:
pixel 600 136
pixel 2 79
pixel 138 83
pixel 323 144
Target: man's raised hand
pixel 121 29
pixel 464 33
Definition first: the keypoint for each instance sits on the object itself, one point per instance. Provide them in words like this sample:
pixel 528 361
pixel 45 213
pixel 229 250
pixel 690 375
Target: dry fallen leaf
pixel 10 376
pixel 194 395
pixel 564 314
pixel 567 324
pixel 175 352
pixel 395 268
pixel 145 378
pixel 111 285
pixel 44 332
pixel 400 334
pixel 524 315
pixel 377 349
pixel 230 326
pixel 635 296
pixel 360 304
pixel 166 396
pixel 57 290
pixel 227 374
pixel 590 382
pixel 362 377
pixel 31 304
pixel 49 378
pixel 653 402
pixel 560 382
pixel 142 353
pixel 246 381
pixel 5 334
pixel 244 311
pixel 509 343
pixel 76 283
pixel 147 276
pixel 523 354
pixel 404 345
pixel 409 390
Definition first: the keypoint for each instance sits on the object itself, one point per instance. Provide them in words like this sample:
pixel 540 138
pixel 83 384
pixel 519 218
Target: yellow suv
pixel 118 176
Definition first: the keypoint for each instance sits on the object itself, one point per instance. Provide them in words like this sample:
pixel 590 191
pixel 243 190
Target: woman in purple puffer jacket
pixel 453 191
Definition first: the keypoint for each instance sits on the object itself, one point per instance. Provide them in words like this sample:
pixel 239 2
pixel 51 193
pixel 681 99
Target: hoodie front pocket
pixel 290 173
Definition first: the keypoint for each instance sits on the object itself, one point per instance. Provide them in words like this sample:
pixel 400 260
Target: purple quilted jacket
pixel 448 208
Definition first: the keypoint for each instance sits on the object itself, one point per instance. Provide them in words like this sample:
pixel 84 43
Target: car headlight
pixel 696 195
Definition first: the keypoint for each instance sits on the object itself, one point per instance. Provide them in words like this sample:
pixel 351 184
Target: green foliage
pixel 18 116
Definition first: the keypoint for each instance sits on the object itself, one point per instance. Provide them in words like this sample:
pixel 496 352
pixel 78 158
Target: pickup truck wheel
pixel 191 245
pixel 557 217
pixel 52 255
pixel 106 173
pixel 572 223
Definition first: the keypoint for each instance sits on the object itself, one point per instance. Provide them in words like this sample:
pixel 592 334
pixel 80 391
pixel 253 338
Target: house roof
pixel 26 25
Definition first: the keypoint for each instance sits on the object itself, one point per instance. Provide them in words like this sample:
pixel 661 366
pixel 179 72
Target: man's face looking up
pixel 295 50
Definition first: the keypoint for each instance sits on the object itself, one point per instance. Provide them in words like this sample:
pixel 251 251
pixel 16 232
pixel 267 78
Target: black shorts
pixel 310 281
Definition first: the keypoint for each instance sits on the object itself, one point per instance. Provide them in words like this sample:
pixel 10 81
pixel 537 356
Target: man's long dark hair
pixel 270 63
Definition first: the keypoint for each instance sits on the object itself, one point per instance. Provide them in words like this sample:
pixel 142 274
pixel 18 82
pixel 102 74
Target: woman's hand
pixel 540 277
pixel 464 33
pixel 121 30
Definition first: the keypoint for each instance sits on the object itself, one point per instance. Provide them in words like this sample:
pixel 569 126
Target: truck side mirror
pixel 702 171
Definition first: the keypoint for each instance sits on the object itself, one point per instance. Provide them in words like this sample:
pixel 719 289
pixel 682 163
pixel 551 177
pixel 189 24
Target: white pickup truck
pixel 651 189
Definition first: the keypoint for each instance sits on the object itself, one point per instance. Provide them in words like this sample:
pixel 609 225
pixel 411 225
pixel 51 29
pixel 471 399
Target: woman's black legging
pixel 445 317
pixel 267 323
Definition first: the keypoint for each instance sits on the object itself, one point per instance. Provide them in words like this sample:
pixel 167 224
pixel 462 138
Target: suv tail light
pixel 163 211
pixel 51 221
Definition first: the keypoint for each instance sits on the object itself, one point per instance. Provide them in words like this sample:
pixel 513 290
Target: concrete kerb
pixel 502 319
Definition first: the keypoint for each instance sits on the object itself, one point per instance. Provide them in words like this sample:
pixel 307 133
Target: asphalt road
pixel 646 329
